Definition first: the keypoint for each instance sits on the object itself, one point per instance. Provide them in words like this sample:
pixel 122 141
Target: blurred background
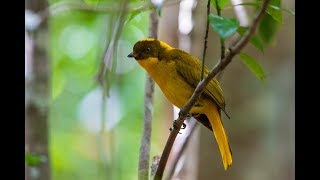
pixel 84 97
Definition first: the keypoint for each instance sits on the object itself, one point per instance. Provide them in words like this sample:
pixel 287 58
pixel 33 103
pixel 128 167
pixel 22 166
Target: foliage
pixel 226 27
pixel 253 65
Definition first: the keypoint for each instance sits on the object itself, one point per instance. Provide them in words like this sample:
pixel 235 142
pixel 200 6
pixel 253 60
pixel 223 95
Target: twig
pixel 143 169
pixel 205 41
pixel 222 44
pixel 233 50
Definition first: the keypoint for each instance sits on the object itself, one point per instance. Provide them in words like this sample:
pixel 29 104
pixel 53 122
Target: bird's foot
pixel 175 126
pixel 183 126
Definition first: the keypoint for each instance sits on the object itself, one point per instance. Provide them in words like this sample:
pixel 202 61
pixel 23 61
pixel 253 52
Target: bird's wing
pixel 190 69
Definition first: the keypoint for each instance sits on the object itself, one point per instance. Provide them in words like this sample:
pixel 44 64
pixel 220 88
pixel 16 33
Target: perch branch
pixel 193 125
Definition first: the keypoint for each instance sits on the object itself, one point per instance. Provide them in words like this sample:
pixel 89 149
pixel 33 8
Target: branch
pixel 143 170
pixel 192 125
pixel 205 41
pixel 222 44
pixel 233 50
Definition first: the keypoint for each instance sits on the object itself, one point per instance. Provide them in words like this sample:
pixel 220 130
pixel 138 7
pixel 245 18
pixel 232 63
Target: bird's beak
pixel 131 55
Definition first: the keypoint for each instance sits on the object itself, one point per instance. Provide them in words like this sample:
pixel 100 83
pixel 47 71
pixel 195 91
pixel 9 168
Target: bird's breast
pixel 173 86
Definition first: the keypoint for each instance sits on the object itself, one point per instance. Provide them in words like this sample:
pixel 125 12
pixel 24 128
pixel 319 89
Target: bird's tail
pixel 221 136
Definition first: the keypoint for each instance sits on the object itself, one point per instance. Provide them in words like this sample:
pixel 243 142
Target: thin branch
pixel 143 169
pixel 192 125
pixel 222 44
pixel 205 41
pixel 233 50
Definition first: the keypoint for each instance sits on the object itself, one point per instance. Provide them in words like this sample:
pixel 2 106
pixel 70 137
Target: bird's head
pixel 147 48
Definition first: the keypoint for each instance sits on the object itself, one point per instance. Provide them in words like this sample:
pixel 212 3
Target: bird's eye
pixel 148 49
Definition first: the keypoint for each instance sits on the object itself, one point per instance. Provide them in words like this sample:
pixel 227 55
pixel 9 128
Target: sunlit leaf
pixel 275 11
pixel 254 40
pixel 253 65
pixel 225 27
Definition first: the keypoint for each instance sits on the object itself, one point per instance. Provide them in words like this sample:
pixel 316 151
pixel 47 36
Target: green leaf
pixel 274 10
pixel 253 65
pixel 225 27
pixel 32 160
pixel 221 3
pixel 267 28
pixel 254 40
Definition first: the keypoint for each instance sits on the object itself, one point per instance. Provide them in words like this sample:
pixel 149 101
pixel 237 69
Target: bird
pixel 177 73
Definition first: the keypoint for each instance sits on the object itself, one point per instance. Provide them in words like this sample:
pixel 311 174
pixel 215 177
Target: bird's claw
pixel 175 127
pixel 183 126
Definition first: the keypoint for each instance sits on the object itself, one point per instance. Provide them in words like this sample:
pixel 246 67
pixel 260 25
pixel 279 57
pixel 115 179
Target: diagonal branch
pixel 193 125
pixel 233 50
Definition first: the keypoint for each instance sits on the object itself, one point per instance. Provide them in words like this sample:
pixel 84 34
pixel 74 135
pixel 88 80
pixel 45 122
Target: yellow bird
pixel 177 73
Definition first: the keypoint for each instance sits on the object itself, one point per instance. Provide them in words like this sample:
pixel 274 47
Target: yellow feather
pixel 177 73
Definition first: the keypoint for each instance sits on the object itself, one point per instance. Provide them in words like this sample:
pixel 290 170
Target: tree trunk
pixel 37 96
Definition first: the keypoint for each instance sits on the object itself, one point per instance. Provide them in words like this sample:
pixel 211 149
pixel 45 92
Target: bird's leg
pixel 183 124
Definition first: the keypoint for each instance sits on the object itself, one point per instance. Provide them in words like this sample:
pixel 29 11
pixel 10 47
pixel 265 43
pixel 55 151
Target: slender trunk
pixel 144 163
pixel 37 96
